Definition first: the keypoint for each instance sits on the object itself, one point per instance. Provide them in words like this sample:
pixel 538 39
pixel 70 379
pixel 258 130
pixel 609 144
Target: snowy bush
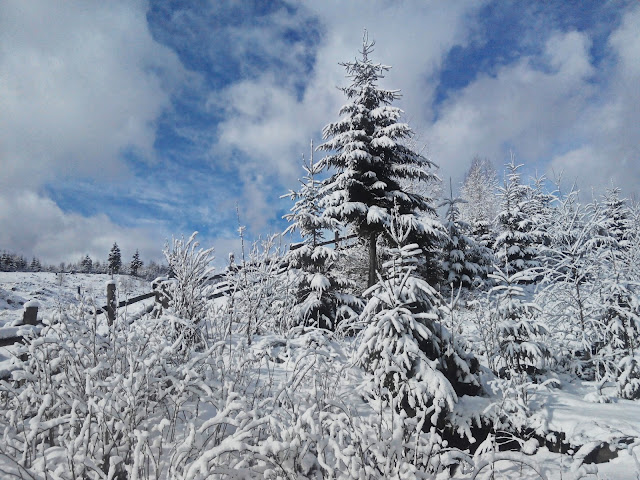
pixel 190 269
pixel 261 294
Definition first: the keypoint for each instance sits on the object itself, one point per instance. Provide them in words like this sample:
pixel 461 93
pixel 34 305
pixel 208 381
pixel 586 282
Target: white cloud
pixel 80 83
pixel 522 106
pixel 42 229
pixel 610 150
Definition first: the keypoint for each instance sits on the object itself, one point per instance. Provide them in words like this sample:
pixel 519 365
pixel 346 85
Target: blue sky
pixel 134 121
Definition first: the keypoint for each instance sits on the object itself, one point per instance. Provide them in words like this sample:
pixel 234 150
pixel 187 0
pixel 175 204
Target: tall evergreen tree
pixel 35 266
pixel 114 260
pixel 136 263
pixel 370 160
pixel 321 300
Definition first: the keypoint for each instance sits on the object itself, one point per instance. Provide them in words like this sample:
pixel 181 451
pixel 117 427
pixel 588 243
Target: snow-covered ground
pixel 569 407
pixel 54 291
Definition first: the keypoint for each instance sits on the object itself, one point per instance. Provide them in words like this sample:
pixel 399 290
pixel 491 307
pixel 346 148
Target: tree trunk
pixel 373 258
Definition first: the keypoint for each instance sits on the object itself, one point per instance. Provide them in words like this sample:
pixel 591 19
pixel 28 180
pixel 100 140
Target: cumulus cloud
pixel 42 229
pixel 610 150
pixel 81 83
pixel 555 109
pixel 525 106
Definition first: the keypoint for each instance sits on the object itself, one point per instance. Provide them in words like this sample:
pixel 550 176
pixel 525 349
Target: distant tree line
pixel 15 262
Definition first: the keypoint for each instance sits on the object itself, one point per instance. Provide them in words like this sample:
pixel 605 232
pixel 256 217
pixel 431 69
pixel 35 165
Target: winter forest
pixel 393 330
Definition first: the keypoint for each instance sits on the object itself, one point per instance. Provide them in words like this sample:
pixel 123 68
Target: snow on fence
pixel 336 240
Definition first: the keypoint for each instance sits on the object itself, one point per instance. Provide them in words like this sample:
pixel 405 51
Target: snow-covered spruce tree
pixel 539 207
pixel 320 298
pixel 458 265
pixel 370 160
pixel 516 246
pixel 86 264
pixel 519 331
pixel 614 224
pixel 616 356
pixel 114 260
pixel 136 264
pixel 415 365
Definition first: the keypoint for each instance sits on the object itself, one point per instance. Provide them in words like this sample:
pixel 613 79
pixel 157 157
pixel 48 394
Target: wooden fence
pixel 30 324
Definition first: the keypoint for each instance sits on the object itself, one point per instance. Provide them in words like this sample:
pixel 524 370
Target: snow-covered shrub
pixel 86 396
pixel 261 290
pixel 190 269
pixel 415 367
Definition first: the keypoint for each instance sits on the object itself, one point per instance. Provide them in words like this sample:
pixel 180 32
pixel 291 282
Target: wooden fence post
pixel 111 302
pixel 30 315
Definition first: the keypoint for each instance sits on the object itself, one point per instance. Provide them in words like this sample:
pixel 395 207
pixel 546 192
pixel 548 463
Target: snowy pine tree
pixel 458 266
pixel 519 331
pixel 415 365
pixel 86 264
pixel 114 260
pixel 136 263
pixel 370 160
pixel 516 246
pixel 321 301
pixel 614 225
pixel 35 265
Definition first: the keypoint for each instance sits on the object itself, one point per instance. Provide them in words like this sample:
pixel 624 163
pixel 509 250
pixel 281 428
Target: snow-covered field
pixel 294 371
pixel 55 291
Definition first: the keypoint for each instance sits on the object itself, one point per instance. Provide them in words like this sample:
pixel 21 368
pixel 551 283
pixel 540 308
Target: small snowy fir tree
pixel 616 356
pixel 519 331
pixel 136 264
pixel 539 207
pixel 320 298
pixel 370 160
pixel 87 264
pixel 459 267
pixel 114 260
pixel 415 365
pixel 35 265
pixel 614 225
pixel 516 246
